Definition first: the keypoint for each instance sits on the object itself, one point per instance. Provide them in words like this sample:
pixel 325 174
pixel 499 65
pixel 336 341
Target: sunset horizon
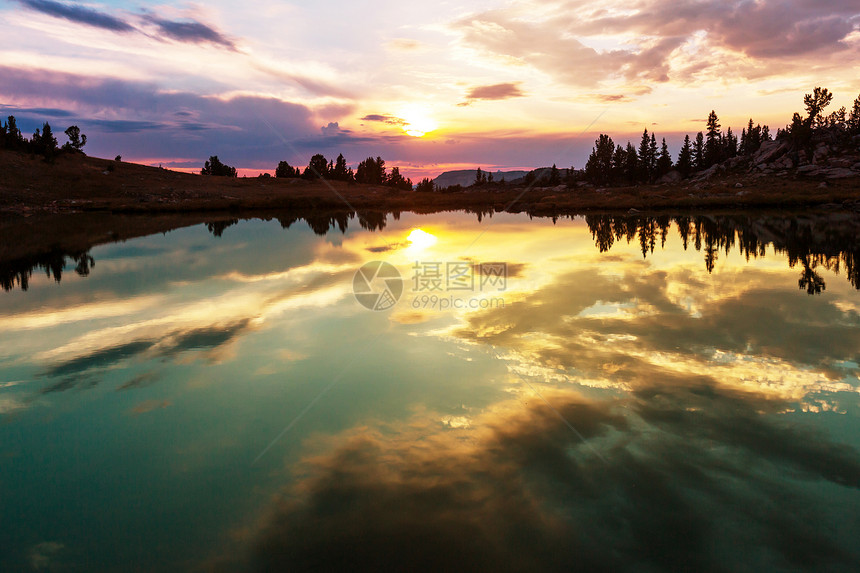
pixel 496 85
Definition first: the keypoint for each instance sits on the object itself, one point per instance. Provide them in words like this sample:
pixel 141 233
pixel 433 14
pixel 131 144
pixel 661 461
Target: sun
pixel 421 239
pixel 417 122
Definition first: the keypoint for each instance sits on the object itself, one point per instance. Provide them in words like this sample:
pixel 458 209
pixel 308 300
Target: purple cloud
pixel 738 37
pixel 79 14
pixel 495 92
pixel 190 31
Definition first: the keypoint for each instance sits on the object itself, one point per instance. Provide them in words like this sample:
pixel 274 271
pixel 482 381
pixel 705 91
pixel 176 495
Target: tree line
pixel 370 171
pixel 43 142
pixel 611 164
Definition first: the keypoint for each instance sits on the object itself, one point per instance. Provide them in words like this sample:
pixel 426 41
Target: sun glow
pixel 421 239
pixel 417 122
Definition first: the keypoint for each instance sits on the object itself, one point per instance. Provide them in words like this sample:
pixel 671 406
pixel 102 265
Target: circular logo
pixel 377 285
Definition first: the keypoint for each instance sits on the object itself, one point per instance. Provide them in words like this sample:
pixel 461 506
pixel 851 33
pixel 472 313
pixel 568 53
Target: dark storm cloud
pixel 190 31
pixel 521 492
pixel 79 14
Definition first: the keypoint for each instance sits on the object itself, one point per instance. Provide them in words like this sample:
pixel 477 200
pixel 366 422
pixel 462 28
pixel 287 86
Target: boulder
pixel 769 151
pixel 844 163
pixel 809 170
pixel 709 172
pixel 784 162
pixel 670 177
pixel 839 173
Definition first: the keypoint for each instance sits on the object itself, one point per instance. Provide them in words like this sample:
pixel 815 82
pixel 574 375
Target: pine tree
pixel 644 157
pixel 554 176
pixel 598 168
pixel 664 162
pixel 699 152
pixel 652 159
pixel 631 165
pixel 854 118
pixel 685 158
pixel 339 171
pixel 730 145
pixel 714 140
pixel 77 140
pixel 425 186
pixel 285 170
pixel 48 143
pixel 815 103
pixel 619 163
pixel 317 168
pixel 214 167
pixel 14 137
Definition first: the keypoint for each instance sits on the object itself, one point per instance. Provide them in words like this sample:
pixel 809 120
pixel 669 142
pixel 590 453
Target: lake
pixel 437 392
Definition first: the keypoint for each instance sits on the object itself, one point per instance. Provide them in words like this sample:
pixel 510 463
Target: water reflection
pixel 812 242
pixel 715 406
pixel 20 271
pixel 830 242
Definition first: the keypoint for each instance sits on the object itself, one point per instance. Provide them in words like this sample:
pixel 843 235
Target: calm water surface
pixel 628 395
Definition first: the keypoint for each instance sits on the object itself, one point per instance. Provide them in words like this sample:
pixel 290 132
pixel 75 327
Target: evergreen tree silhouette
pixel 598 168
pixel 713 144
pixel 631 163
pixel 77 140
pixel 214 167
pixel 685 158
pixel 664 162
pixel 699 152
pixel 285 170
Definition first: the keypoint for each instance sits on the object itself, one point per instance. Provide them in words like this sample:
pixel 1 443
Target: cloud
pixel 79 14
pixel 141 381
pixel 78 371
pixel 389 119
pixel 190 31
pixel 331 130
pixel 493 92
pixel 513 489
pixel 150 406
pixel 101 358
pixel 658 40
pixel 119 115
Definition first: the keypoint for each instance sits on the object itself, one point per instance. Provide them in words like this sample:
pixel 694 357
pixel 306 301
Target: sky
pixel 428 86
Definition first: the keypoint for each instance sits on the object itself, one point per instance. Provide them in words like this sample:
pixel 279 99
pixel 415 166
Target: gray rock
pixel 709 172
pixel 809 170
pixel 670 177
pixel 739 185
pixel 769 151
pixel 839 173
pixel 784 162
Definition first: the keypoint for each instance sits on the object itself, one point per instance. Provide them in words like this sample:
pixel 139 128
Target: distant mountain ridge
pixel 466 177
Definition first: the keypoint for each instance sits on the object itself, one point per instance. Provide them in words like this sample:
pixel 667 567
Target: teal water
pixel 635 394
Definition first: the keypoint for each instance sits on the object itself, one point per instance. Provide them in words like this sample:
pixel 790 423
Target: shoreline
pixel 76 183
